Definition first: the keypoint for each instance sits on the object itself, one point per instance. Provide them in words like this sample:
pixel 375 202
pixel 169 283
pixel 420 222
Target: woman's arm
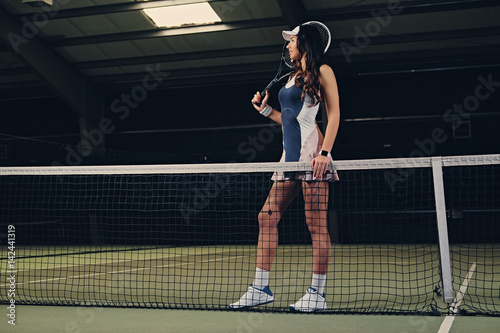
pixel 274 115
pixel 332 104
pixel 330 94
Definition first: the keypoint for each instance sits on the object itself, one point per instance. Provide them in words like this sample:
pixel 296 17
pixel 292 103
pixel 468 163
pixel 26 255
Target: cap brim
pixel 288 34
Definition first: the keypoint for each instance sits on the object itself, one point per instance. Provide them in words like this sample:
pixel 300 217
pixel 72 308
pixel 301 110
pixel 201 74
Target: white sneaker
pixel 311 301
pixel 254 297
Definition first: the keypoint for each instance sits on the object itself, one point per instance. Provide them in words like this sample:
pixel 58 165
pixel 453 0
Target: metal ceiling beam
pixel 379 40
pixel 121 7
pixel 174 57
pixel 198 72
pixel 128 36
pixel 428 36
pixel 70 85
pixel 258 78
pixel 408 8
pixel 115 37
pixel 293 12
pixel 262 72
pixel 413 7
pixel 473 55
pixel 369 64
pixel 419 61
pixel 487 55
pixel 60 76
pixel 15 71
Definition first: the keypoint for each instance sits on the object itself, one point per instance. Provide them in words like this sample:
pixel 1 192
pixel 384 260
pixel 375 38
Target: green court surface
pixel 52 319
pixel 205 277
pixel 375 278
pixel 370 277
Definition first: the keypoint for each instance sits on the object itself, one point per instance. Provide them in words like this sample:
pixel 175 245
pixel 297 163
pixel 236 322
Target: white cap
pixel 288 34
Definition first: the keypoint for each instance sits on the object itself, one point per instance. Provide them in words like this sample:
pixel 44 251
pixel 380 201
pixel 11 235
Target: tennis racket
pixel 285 62
pixel 326 38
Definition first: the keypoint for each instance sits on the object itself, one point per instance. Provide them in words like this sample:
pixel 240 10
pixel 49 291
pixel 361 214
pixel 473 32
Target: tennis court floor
pixel 206 277
pixel 129 274
pixel 55 319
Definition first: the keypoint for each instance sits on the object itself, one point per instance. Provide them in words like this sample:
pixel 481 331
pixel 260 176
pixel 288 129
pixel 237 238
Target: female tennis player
pixel 311 83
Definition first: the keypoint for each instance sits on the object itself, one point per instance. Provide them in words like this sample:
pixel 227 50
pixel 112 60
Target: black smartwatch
pixel 324 153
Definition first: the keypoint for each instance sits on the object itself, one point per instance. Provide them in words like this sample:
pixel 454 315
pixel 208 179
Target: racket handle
pixel 263 93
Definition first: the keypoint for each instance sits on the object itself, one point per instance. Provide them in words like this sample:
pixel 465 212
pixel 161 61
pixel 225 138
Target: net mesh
pixel 473 202
pixel 185 236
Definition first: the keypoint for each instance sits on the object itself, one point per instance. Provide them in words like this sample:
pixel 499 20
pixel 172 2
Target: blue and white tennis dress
pixel 300 133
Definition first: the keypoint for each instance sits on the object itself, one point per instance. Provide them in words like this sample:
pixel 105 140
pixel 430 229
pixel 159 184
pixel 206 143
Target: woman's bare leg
pixel 280 196
pixel 316 210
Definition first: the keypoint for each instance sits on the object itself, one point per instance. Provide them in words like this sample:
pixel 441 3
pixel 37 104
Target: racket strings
pixel 324 33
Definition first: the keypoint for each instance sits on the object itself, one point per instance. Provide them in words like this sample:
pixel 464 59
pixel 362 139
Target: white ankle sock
pixel 261 278
pixel 318 282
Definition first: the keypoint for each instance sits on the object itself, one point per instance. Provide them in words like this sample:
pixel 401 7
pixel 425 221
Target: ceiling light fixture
pixel 176 16
pixel 38 3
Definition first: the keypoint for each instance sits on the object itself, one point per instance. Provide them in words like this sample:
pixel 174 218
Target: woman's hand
pixel 256 100
pixel 319 165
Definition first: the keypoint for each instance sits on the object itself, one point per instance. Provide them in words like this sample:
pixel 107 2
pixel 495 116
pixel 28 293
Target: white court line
pixel 448 320
pixel 108 262
pixel 124 271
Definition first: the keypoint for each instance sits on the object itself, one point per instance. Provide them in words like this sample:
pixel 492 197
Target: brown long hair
pixel 310 45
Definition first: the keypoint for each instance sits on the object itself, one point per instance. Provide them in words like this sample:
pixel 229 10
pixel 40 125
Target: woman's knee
pixel 315 229
pixel 268 218
pixel 317 225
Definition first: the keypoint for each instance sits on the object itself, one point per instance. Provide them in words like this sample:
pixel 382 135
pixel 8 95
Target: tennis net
pixel 407 236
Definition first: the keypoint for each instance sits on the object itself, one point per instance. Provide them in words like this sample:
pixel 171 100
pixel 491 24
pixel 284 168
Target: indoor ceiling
pixel 112 42
pixel 400 65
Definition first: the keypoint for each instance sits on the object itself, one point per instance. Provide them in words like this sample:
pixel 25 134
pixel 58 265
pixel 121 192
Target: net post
pixel 437 176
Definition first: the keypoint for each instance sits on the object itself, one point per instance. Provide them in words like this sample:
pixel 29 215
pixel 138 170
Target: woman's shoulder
pixel 326 74
pixel 325 70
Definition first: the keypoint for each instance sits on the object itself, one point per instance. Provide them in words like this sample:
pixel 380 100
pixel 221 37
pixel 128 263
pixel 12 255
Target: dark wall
pixel 387 115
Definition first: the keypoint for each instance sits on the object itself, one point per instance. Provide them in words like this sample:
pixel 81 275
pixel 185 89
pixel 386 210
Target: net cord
pixel 403 163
